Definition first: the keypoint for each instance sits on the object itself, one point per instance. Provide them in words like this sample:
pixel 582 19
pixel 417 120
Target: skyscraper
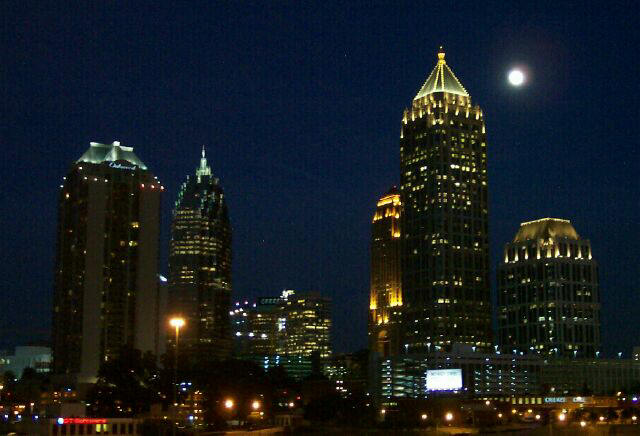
pixel 445 246
pixel 385 298
pixel 106 289
pixel 200 266
pixel 548 292
pixel 292 330
pixel 305 324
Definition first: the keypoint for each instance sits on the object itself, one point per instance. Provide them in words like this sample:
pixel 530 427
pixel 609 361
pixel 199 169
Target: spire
pixel 204 169
pixel 442 79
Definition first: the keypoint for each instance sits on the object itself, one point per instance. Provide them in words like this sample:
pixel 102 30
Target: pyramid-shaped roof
pixel 442 79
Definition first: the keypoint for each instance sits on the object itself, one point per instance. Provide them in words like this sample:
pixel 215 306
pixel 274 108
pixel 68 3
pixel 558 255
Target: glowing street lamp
pixel 177 323
pixel 562 417
pixel 448 416
pixel 228 404
pixel 423 416
pixel 255 405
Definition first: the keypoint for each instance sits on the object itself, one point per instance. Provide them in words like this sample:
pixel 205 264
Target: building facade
pixel 200 267
pixel 292 330
pixel 567 376
pixel 482 374
pixel 305 326
pixel 385 298
pixel 443 191
pixel 548 292
pixel 106 290
pixel 36 357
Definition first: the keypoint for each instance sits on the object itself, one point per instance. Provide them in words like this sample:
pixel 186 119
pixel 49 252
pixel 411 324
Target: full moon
pixel 516 77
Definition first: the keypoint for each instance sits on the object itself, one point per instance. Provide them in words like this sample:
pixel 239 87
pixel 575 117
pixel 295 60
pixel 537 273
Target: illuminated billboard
pixel 444 379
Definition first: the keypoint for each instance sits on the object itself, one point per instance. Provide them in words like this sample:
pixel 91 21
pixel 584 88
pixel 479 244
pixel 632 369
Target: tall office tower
pixel 445 245
pixel 548 292
pixel 385 298
pixel 200 267
pixel 106 289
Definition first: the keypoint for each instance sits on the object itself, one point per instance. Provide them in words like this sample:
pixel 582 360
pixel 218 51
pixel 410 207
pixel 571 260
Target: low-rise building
pixel 590 376
pixel 38 358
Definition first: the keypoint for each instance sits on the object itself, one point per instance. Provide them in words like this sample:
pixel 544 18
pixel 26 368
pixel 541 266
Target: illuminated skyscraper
pixel 292 330
pixel 445 245
pixel 106 289
pixel 200 266
pixel 548 292
pixel 304 324
pixel 386 290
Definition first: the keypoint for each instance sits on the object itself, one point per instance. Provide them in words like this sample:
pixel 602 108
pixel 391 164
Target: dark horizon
pixel 299 106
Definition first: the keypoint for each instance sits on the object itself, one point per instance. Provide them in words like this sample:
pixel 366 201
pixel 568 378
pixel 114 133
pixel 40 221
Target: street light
pixel 228 403
pixel 255 405
pixel 448 416
pixel 177 323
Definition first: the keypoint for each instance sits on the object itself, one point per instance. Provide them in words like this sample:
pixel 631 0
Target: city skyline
pixel 551 152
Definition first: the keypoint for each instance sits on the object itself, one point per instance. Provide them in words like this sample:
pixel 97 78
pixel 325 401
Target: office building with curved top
pixel 548 292
pixel 106 293
pixel 200 267
pixel 385 298
pixel 444 195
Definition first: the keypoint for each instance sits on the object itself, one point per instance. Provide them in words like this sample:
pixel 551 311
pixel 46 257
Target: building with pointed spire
pixel 445 244
pixel 106 293
pixel 548 292
pixel 385 298
pixel 200 267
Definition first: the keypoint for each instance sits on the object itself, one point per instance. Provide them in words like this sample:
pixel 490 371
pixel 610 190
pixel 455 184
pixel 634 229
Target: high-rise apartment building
pixel 548 292
pixel 106 289
pixel 445 245
pixel 385 298
pixel 200 267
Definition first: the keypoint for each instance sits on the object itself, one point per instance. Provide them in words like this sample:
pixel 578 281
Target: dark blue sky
pixel 299 105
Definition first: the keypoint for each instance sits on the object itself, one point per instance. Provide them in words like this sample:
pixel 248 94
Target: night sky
pixel 299 106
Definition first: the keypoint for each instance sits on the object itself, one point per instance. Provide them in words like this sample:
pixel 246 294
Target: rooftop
pixel 546 228
pixel 98 153
pixel 442 79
